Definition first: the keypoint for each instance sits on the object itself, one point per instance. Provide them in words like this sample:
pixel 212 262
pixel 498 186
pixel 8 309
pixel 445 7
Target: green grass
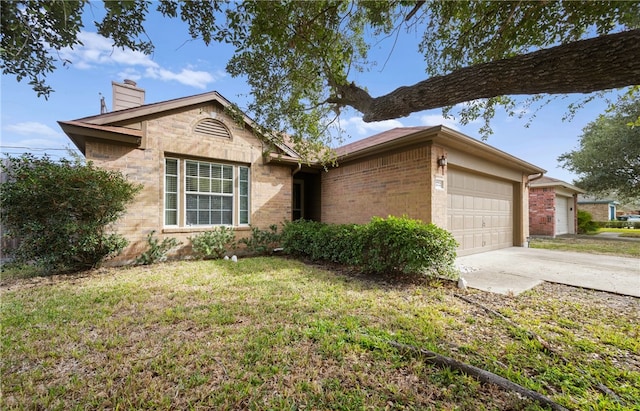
pixel 589 245
pixel 624 232
pixel 272 333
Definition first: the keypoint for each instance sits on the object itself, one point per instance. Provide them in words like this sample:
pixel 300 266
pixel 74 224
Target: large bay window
pixel 206 194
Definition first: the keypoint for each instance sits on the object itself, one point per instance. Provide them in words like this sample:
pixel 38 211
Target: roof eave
pixel 79 132
pixel 447 137
pixel 136 114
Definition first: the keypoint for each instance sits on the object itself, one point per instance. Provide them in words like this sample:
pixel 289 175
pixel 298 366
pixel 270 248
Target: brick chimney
pixel 126 95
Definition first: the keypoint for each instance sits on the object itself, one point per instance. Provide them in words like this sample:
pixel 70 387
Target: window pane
pixel 228 173
pixel 216 186
pixel 192 169
pixel 216 217
pixel 243 194
pixel 171 201
pixel 204 202
pixel 216 171
pixel 171 191
pixel 210 193
pixel 171 184
pixel 171 166
pixel 203 217
pixel 170 217
pixel 192 184
pixel 205 185
pixel 205 170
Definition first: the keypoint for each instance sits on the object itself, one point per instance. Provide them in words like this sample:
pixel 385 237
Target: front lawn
pixel 273 333
pixel 623 232
pixel 589 245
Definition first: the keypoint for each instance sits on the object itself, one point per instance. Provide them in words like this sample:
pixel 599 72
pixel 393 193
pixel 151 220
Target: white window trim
pixel 164 194
pixel 182 193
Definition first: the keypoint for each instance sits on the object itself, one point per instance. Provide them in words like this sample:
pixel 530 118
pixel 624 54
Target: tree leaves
pixel 608 159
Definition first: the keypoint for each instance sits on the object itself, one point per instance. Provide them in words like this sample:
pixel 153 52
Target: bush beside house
pixel 383 246
pixel 62 211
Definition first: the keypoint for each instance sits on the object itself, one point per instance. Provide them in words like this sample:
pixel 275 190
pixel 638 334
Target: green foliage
pixel 585 223
pixel 384 246
pixel 608 159
pixel 214 243
pixel 61 211
pixel 32 33
pixel 612 224
pixel 157 250
pixel 300 58
pixel 262 242
pixel 403 245
pixel 298 237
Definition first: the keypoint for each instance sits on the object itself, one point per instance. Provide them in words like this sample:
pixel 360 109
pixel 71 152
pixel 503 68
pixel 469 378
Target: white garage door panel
pixel 562 215
pixel 480 211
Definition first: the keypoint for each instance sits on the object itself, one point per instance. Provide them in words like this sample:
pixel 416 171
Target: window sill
pixel 199 229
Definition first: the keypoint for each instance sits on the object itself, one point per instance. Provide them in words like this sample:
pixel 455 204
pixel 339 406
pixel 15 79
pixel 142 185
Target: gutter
pixel 539 176
pixel 294 172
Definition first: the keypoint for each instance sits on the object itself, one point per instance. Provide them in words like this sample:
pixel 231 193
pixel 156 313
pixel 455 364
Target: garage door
pixel 480 211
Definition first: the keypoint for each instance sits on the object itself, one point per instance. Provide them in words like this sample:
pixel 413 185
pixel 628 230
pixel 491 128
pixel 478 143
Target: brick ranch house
pixel 201 168
pixel 601 209
pixel 553 207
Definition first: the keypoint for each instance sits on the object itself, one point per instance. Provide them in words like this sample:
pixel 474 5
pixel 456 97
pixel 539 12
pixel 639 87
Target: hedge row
pixel 383 246
pixel 618 224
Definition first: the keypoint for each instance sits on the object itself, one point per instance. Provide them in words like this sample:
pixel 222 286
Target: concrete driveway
pixel 517 269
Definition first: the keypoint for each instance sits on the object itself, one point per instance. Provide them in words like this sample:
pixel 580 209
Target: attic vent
pixel 212 128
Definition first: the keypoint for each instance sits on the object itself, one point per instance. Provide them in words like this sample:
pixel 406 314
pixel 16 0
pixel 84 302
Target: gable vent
pixel 212 128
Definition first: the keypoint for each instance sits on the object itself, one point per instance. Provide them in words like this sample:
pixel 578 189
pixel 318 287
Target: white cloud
pixel 98 51
pixel 370 128
pixel 32 128
pixel 198 79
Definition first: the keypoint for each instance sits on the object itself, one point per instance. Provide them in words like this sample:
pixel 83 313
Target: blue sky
pixel 181 67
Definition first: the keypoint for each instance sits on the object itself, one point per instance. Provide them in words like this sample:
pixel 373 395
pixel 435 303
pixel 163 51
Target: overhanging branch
pixel 601 63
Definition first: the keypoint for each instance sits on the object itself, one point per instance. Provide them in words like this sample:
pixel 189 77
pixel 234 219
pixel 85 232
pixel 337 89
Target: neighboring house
pixel 552 207
pixel 200 168
pixel 601 209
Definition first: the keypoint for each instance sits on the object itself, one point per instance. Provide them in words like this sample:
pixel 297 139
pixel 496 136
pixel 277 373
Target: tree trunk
pixel 601 63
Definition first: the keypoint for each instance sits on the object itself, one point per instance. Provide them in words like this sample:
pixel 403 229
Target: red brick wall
pixel 389 184
pixel 542 202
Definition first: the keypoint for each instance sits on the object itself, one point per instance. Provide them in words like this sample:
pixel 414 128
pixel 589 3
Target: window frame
pixel 237 219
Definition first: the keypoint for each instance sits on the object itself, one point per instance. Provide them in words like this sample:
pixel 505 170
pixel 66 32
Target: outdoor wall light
pixel 442 161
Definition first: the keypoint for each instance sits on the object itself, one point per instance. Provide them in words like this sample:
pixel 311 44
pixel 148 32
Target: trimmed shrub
pixel 384 246
pixel 215 243
pixel 612 224
pixel 262 241
pixel 585 223
pixel 61 211
pixel 157 251
pixel 298 237
pixel 407 246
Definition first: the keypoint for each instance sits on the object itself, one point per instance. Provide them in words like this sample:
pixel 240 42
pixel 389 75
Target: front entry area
pixel 305 198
